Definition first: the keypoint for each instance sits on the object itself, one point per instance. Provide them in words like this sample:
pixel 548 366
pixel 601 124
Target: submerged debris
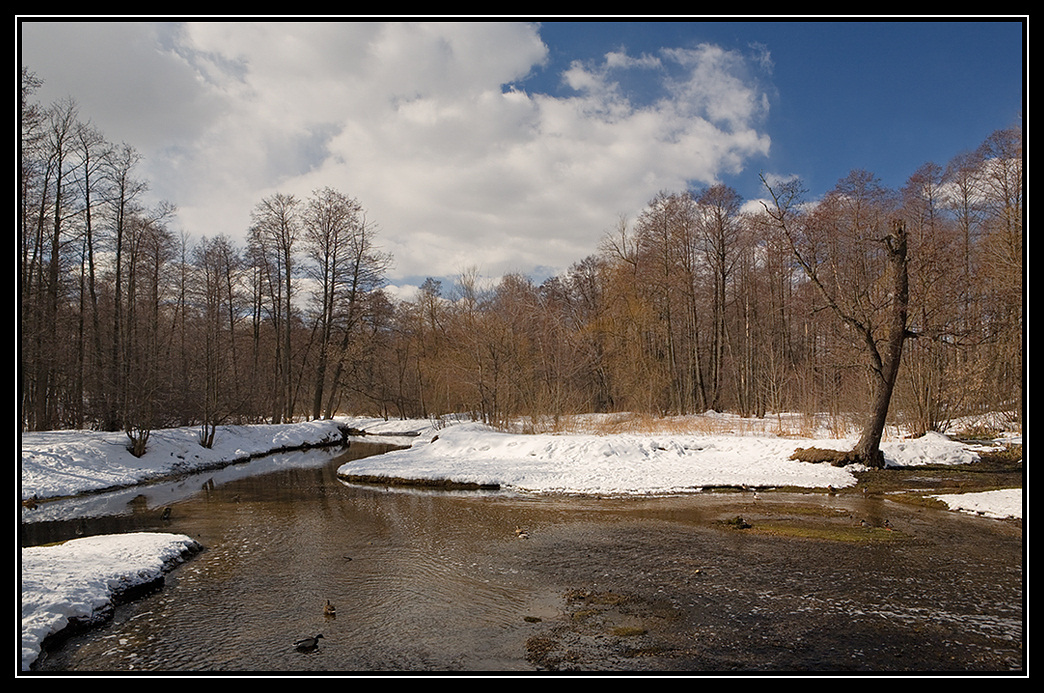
pixel 737 523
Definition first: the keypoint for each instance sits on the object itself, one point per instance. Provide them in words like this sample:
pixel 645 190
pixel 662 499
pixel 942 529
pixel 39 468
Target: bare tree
pixel 586 305
pixel 123 199
pixel 1001 188
pixel 656 232
pixel 274 234
pixel 148 249
pixel 330 220
pixel 720 206
pixel 93 153
pixel 363 274
pixel 45 273
pixel 844 255
pixel 930 393
pixel 693 307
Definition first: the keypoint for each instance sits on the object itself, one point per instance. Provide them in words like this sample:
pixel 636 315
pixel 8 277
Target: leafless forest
pixel 703 301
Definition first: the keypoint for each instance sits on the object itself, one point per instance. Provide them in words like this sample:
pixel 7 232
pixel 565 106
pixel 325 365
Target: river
pixel 427 581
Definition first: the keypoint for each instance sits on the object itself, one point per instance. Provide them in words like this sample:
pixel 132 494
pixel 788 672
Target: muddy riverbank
pixel 871 578
pixel 790 583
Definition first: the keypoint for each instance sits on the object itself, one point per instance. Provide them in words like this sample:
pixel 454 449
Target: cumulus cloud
pixel 429 125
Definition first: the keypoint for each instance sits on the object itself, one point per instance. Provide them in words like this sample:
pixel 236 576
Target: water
pixel 437 582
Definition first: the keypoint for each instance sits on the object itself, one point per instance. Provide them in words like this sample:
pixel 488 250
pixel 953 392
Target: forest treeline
pixel 703 301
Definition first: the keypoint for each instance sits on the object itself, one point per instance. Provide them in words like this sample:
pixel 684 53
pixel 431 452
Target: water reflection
pixel 439 581
pixel 410 574
pixel 142 507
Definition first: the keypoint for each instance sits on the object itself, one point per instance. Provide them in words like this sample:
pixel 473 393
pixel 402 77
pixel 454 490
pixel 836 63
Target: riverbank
pixel 68 463
pixel 653 463
pixel 75 585
pixel 792 583
pixel 645 464
pixel 722 452
pixel 442 582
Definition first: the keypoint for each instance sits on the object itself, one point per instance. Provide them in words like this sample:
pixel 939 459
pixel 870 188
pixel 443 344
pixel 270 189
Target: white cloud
pixel 418 122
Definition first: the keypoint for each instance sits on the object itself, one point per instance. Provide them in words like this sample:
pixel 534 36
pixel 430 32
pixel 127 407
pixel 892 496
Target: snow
pixel 62 463
pixel 601 464
pixel 631 464
pixel 78 579
pixel 1002 503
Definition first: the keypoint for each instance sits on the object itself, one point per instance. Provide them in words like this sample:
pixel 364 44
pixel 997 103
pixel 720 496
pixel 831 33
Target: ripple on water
pixel 429 582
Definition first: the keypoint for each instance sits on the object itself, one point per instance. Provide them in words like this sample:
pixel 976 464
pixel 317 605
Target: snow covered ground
pixel 77 579
pixel 64 463
pixel 633 463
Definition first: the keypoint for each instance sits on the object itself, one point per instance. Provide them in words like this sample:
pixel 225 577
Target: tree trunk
pixel 885 366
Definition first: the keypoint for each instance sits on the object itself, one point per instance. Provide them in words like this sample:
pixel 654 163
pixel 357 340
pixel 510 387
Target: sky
pixel 497 146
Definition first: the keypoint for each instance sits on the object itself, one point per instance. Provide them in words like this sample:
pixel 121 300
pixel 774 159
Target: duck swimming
pixel 308 644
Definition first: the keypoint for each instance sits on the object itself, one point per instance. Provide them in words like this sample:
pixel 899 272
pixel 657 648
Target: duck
pixel 308 644
pixel 329 610
pixel 521 533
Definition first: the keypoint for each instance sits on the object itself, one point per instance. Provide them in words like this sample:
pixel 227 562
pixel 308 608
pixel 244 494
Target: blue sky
pixel 509 146
pixel 882 96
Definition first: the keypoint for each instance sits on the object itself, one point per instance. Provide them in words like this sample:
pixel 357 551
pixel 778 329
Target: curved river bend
pixel 437 581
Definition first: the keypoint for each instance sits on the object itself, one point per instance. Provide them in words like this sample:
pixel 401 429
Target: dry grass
pixel 786 425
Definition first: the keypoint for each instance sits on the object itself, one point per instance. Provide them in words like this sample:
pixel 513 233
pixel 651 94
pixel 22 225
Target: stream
pixel 436 581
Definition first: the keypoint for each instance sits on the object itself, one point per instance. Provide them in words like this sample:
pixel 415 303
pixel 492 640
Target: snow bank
pixel 78 580
pixel 60 463
pixel 1001 504
pixel 931 448
pixel 625 463
pixel 71 462
pixel 600 464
